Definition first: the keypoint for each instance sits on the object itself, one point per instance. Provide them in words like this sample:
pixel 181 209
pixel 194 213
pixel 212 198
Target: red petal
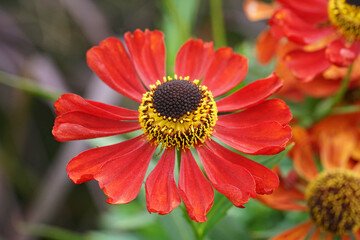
pixel 250 95
pixel 226 71
pixel 147 51
pixel 340 55
pixel 83 167
pixel 81 125
pixel 195 190
pixel 273 110
pixel 312 11
pixel 194 58
pixel 265 138
pixel 320 87
pixel 266 46
pixel 121 177
pixel 113 65
pixel 265 179
pixel 71 102
pixel 161 191
pixel 233 181
pixel 285 23
pixel 299 61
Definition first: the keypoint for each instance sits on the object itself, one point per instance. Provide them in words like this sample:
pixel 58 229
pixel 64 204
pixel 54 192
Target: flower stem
pixel 326 106
pixel 29 86
pixel 343 87
pixel 217 23
pixel 174 14
pixel 193 225
pixel 178 157
pixel 346 109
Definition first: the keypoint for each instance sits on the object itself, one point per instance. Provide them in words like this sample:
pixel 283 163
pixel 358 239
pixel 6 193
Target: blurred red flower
pixel 176 114
pixel 321 41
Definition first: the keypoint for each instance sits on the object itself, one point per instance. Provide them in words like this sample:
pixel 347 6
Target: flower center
pixel 333 200
pixel 345 14
pixel 178 113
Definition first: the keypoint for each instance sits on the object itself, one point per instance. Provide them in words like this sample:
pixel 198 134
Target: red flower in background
pixel 177 113
pixel 322 41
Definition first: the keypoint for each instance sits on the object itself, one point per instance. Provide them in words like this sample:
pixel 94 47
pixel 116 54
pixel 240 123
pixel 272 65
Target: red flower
pixel 177 113
pixel 325 39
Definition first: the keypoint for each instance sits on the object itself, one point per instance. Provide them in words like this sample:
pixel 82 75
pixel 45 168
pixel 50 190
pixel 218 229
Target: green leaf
pixel 50 232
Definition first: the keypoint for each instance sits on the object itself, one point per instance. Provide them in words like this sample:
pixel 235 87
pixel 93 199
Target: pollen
pixel 178 113
pixel 345 14
pixel 333 201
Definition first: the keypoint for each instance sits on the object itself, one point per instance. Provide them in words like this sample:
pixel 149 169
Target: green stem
pixel 325 107
pixel 178 156
pixel 28 85
pixel 217 23
pixel 346 109
pixel 343 87
pixel 192 224
pixel 174 14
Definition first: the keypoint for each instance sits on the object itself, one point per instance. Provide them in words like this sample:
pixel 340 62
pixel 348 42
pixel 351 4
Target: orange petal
pixel 302 154
pixel 318 235
pixel 356 151
pixel 347 237
pixel 266 46
pixel 285 197
pixel 257 10
pixel 336 137
pixel 296 233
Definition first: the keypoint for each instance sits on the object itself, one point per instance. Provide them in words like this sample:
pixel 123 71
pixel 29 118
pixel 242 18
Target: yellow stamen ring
pixel 192 127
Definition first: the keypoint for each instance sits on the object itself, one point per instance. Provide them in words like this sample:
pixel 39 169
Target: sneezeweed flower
pixel 323 34
pixel 176 113
pixel 331 195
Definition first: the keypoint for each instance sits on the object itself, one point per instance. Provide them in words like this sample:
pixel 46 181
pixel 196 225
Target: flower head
pixel 331 196
pixel 323 34
pixel 179 113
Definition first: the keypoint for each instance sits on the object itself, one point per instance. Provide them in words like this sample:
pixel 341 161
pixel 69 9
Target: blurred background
pixel 42 54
